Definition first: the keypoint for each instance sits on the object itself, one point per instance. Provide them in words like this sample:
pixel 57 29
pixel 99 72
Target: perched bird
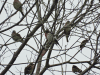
pixel 83 43
pixel 50 38
pixel 75 69
pixel 16 37
pixel 28 69
pixel 67 30
pixel 18 6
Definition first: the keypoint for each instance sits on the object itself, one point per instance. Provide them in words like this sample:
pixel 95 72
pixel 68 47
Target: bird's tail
pixel 56 42
pixel 22 13
pixel 59 45
pixel 67 38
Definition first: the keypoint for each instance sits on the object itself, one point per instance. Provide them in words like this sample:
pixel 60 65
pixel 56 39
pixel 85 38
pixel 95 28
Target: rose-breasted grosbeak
pixel 50 38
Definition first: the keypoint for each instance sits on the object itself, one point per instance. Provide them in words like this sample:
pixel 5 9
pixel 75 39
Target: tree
pixel 52 14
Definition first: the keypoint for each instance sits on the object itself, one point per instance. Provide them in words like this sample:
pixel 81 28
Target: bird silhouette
pixel 18 6
pixel 16 37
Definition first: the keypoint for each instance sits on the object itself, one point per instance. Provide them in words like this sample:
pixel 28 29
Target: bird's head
pixel 86 40
pixel 74 66
pixel 14 32
pixel 47 31
pixel 67 22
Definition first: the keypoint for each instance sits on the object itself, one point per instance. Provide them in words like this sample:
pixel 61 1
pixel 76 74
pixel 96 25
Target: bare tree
pixel 25 48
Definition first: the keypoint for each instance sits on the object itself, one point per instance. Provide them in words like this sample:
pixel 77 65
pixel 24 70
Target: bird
pixel 67 30
pixel 18 6
pixel 16 37
pixel 50 38
pixel 75 69
pixel 28 69
pixel 83 43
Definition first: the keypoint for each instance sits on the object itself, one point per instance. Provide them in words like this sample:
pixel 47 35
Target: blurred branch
pixel 68 62
pixel 21 47
pixel 47 61
pixel 3 6
pixel 45 19
pixel 19 21
pixel 40 20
